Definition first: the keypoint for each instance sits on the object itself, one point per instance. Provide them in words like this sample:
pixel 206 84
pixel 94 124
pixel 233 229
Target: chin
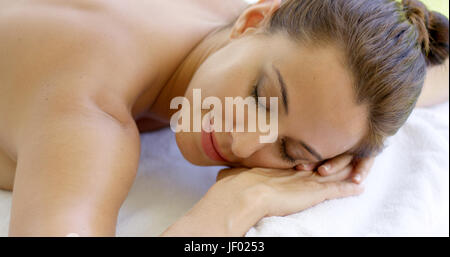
pixel 188 148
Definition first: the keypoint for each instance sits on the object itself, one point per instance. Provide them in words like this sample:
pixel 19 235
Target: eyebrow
pixel 307 147
pixel 282 88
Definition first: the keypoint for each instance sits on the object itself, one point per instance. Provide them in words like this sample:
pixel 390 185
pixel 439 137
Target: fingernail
pixel 301 167
pixel 325 168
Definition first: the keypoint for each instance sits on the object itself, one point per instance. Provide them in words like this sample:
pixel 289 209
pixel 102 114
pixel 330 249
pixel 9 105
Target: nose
pixel 245 143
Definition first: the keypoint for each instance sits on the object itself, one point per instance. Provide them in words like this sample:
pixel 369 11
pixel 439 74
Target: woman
pixel 81 79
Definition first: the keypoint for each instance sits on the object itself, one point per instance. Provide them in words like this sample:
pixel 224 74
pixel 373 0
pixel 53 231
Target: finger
pixel 334 165
pixel 335 190
pixel 309 194
pixel 338 176
pixel 362 169
pixel 307 166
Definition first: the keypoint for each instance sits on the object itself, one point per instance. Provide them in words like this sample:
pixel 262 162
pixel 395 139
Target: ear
pixel 255 17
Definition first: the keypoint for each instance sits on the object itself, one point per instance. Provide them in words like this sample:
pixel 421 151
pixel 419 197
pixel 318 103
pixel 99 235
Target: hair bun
pixel 433 30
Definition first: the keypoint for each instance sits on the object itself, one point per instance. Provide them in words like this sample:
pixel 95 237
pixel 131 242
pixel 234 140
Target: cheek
pixel 226 73
pixel 221 85
pixel 266 157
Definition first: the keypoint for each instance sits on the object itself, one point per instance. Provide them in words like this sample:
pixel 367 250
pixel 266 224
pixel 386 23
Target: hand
pixel 361 167
pixel 241 197
pixel 284 192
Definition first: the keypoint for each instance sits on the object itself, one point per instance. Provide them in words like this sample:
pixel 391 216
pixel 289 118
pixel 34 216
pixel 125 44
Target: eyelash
pixel 255 93
pixel 284 155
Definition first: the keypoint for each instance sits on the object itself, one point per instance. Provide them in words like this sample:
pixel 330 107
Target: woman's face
pixel 317 117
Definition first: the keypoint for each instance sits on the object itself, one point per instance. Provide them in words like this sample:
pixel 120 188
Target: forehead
pixel 322 107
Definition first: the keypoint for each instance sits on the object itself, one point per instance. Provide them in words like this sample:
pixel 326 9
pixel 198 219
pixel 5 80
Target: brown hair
pixel 388 46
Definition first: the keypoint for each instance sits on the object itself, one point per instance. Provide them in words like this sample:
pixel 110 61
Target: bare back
pixel 114 53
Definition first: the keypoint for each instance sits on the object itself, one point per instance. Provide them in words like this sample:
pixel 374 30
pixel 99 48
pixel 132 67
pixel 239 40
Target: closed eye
pixel 284 155
pixel 256 96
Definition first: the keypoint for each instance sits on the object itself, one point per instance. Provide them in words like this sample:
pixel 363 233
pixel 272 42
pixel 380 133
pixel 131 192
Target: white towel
pixel 407 191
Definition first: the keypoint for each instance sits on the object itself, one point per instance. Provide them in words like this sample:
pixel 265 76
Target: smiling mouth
pixel 216 147
pixel 210 145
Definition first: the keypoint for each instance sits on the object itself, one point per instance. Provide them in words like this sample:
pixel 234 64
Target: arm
pixel 435 89
pixel 77 145
pixel 74 170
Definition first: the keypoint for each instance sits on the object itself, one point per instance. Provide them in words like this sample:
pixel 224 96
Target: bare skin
pixel 92 75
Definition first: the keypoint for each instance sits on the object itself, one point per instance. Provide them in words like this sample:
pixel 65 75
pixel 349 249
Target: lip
pixel 210 147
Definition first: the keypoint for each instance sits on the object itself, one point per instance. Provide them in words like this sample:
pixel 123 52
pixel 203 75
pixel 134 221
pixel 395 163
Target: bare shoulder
pixel 55 57
pixel 46 35
pixel 62 48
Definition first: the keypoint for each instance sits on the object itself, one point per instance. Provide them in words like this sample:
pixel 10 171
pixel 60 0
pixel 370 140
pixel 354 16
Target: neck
pixel 180 79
